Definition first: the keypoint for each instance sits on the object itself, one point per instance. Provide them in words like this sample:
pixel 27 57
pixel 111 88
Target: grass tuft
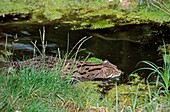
pixel 163 72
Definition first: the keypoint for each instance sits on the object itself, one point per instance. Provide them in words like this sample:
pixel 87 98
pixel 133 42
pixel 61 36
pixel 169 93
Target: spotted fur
pixel 81 70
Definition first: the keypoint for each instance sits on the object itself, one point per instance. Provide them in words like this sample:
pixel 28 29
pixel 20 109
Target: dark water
pixel 129 45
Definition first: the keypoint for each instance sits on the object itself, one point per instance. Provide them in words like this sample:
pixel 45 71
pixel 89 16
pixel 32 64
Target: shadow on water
pixel 124 46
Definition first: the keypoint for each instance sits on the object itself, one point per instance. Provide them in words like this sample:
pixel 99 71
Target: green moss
pixel 96 25
pixel 93 59
pixel 53 15
pixel 10 7
pixel 96 14
pixel 102 12
pixel 127 93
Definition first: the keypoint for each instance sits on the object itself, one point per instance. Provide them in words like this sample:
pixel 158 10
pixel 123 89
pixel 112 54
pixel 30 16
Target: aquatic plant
pixel 94 59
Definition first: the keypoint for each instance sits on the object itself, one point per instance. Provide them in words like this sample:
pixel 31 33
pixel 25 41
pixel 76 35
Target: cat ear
pixel 106 61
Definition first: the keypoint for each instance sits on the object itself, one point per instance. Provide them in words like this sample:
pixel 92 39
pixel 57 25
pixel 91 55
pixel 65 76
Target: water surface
pixel 123 46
